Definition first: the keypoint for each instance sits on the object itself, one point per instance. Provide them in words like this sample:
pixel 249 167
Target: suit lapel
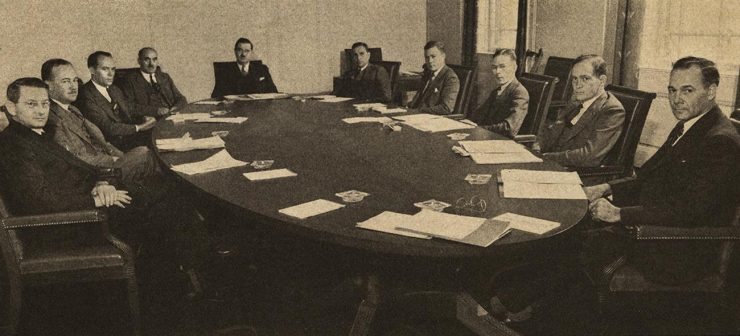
pixel 586 118
pixel 65 116
pixel 100 100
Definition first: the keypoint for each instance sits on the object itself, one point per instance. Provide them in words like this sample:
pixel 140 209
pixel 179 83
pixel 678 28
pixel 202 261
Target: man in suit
pixel 151 88
pixel 441 85
pixel 366 81
pixel 505 109
pixel 691 181
pixel 244 76
pixel 39 176
pixel 80 136
pixel 105 105
pixel 590 125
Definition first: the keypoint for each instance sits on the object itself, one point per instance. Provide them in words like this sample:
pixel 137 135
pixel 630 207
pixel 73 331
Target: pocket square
pixel 436 90
pixel 262 78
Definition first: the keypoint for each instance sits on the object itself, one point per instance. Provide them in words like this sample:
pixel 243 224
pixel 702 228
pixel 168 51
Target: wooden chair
pixel 111 259
pixel 466 75
pixel 393 69
pixel 619 161
pixel 560 68
pixel 620 278
pixel 540 89
pixel 121 74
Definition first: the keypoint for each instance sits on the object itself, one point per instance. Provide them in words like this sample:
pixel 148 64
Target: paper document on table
pixel 432 123
pixel 308 209
pixel 367 106
pixel 180 117
pixel 208 102
pixel 443 225
pixel 387 221
pixel 386 110
pixel 493 146
pixel 276 95
pixel 187 143
pixel 269 174
pixel 220 160
pixel 539 176
pixel 354 120
pixel 501 158
pixel 526 223
pixel 336 99
pixel 231 120
pixel 321 97
pixel 543 191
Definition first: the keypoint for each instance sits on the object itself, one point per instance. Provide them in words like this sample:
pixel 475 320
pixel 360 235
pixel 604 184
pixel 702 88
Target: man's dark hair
pixel 14 89
pixel 505 52
pixel 597 63
pixel 709 72
pixel 432 44
pixel 48 67
pixel 143 50
pixel 360 44
pixel 94 58
pixel 243 40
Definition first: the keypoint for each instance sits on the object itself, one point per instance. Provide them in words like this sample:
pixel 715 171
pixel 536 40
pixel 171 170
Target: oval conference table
pixel 397 169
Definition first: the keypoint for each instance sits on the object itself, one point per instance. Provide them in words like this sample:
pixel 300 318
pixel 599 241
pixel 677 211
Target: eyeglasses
pixel 474 206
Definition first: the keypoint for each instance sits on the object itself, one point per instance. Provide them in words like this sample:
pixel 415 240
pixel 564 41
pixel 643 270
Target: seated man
pixel 105 105
pixel 39 176
pixel 505 109
pixel 245 76
pixel 441 85
pixel 80 136
pixel 151 88
pixel 691 181
pixel 365 81
pixel 588 128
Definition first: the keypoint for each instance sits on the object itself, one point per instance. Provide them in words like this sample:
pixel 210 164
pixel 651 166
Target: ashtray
pixel 262 164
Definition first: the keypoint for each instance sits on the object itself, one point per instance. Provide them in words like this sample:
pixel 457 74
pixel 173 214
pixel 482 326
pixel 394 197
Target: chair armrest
pixel 60 218
pixel 597 171
pixel 654 232
pixel 525 138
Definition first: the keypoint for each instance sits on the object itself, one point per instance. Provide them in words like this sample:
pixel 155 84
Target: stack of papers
pixel 269 174
pixel 180 117
pixel 367 106
pixel 354 120
pixel 527 224
pixel 218 161
pixel 186 143
pixel 259 96
pixel 334 99
pixel 308 209
pixel 432 123
pixel 232 120
pixel 464 229
pixel 541 184
pixel 386 110
pixel 208 102
pixel 498 152
pixel 387 221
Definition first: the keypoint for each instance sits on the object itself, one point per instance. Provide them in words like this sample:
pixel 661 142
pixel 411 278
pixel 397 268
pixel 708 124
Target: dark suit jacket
pixel 692 184
pixel 116 119
pixel 440 94
pixel 372 84
pixel 80 137
pixel 586 143
pixel 504 113
pixel 229 80
pixel 144 97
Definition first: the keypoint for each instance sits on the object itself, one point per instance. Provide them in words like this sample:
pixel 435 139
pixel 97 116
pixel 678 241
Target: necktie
pixel 154 83
pixel 675 134
pixel 573 114
pixel 244 70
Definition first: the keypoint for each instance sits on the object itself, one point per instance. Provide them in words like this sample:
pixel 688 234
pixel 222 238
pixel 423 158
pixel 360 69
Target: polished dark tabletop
pixel 397 169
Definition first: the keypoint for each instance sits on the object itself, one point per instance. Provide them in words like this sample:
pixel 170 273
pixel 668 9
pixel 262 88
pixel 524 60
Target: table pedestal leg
pixel 367 308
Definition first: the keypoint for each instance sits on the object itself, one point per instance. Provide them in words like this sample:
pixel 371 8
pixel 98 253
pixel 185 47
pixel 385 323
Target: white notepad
pixel 539 176
pixel 501 158
pixel 543 191
pixel 269 174
pixel 493 146
pixel 230 120
pixel 208 102
pixel 440 224
pixel 218 161
pixel 308 209
pixel 526 223
pixel 387 221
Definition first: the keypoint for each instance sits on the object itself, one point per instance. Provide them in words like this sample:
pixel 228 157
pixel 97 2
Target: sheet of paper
pixel 492 146
pixel 186 144
pixel 543 191
pixel 440 224
pixel 277 95
pixel 490 231
pixel 321 97
pixel 354 120
pixel 269 174
pixel 501 158
pixel 308 209
pixel 386 110
pixel 208 102
pixel 336 99
pixel 526 223
pixel 539 176
pixel 432 123
pixel 188 116
pixel 367 106
pixel 220 160
pixel 233 120
pixel 387 221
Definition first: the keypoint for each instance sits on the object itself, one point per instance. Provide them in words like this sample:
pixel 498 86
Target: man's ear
pixel 712 91
pixel 602 79
pixel 10 107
